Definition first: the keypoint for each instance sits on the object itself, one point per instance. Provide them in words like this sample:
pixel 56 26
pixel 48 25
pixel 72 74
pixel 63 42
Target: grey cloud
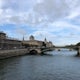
pixel 21 31
pixel 53 9
pixel 37 12
pixel 18 5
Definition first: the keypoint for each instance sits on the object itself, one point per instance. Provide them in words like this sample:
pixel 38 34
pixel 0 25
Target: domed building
pixel 32 42
pixel 11 43
pixel 36 43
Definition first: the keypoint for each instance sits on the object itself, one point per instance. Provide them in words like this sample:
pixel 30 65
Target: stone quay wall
pixel 12 53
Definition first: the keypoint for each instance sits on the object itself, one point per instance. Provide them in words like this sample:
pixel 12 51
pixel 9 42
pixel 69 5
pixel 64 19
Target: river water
pixel 58 65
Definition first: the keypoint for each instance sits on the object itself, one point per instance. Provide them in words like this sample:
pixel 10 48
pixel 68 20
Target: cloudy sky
pixel 57 20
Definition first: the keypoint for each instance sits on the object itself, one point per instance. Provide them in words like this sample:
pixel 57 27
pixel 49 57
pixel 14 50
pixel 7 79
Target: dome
pixel 31 37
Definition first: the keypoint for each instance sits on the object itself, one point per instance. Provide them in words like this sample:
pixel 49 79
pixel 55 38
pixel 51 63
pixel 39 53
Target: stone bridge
pixel 38 50
pixel 76 48
pixel 34 51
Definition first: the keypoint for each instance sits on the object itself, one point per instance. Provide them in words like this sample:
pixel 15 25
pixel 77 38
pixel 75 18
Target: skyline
pixel 58 21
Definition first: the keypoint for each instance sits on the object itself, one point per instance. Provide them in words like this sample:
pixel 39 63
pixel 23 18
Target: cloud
pixel 36 12
pixel 52 9
pixel 58 39
pixel 21 31
pixel 1 3
pixel 58 19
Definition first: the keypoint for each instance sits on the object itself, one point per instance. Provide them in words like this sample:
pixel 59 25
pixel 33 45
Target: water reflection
pixel 56 65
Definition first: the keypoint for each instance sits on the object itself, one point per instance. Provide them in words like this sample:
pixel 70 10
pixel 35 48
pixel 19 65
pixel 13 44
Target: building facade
pixel 36 43
pixel 8 43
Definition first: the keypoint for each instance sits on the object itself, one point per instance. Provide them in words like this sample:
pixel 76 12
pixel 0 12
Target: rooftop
pixel 1 32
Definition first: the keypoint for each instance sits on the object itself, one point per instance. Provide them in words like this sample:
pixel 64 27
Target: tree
pixel 78 44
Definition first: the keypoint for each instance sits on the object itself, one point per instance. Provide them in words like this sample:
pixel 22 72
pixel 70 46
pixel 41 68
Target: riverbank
pixel 12 53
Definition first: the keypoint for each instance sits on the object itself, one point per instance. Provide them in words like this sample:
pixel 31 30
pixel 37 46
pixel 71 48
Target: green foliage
pixel 78 44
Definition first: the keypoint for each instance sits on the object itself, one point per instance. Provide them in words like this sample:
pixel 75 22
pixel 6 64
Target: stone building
pixel 8 43
pixel 2 35
pixel 32 42
pixel 48 44
pixel 36 43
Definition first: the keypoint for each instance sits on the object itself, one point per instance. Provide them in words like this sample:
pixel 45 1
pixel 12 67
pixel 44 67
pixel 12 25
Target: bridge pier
pixel 78 53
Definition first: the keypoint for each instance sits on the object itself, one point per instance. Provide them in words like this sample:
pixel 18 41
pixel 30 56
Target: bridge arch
pixel 33 52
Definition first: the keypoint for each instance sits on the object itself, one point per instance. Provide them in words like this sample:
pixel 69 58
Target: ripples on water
pixel 59 65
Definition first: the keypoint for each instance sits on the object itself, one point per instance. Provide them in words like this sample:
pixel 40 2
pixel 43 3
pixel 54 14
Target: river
pixel 58 65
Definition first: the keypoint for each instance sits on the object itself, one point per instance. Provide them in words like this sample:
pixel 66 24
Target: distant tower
pixel 45 40
pixel 23 38
pixel 31 37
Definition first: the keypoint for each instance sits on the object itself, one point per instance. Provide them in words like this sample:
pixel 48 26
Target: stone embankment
pixel 12 53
